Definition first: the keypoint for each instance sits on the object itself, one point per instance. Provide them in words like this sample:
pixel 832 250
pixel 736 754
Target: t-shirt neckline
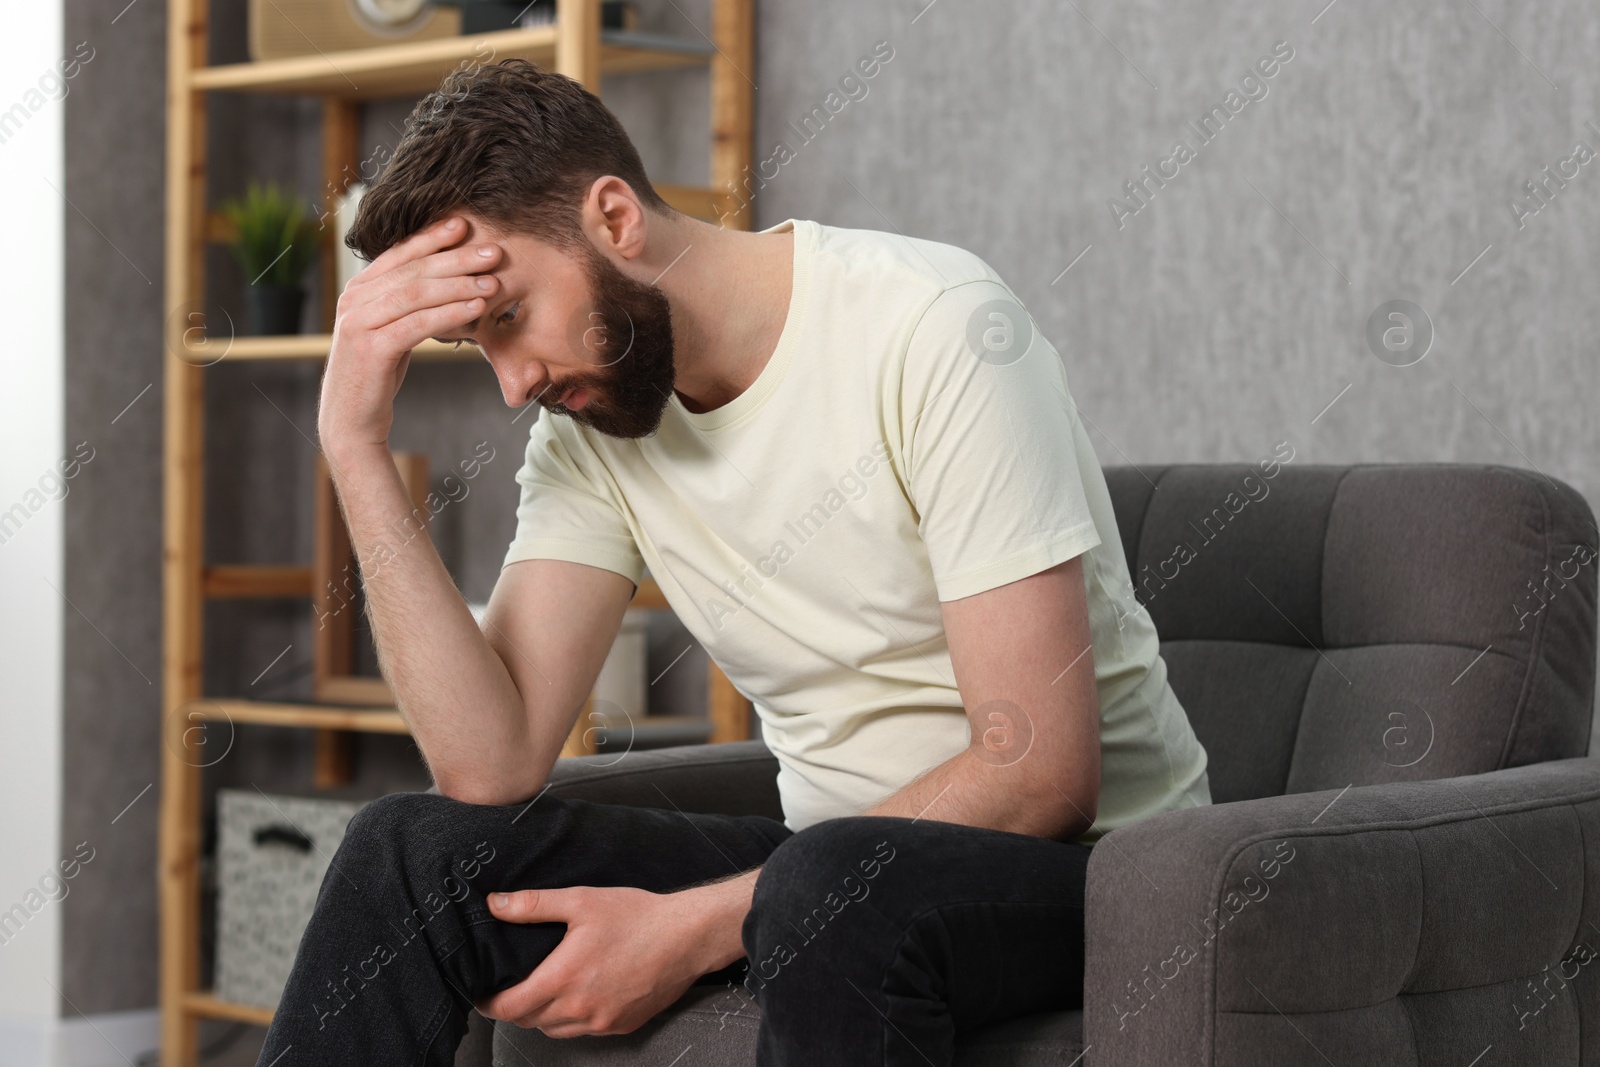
pixel 749 401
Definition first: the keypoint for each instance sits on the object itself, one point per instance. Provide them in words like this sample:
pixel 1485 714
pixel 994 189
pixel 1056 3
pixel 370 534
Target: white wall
pixel 31 608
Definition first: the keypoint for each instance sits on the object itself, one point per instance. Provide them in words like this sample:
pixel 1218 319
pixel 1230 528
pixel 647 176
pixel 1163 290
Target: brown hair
pixel 514 144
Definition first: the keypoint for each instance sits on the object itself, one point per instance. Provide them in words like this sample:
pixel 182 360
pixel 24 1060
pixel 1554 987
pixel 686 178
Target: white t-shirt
pixel 910 440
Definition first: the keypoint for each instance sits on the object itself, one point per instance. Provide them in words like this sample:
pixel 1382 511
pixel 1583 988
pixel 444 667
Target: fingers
pixel 393 302
pixel 420 272
pixel 475 258
pixel 553 998
pixel 528 1002
pixel 537 905
pixel 418 256
pixel 520 1004
pixel 394 296
pixel 479 255
pixel 379 308
pixel 524 1002
pixel 406 333
pixel 425 241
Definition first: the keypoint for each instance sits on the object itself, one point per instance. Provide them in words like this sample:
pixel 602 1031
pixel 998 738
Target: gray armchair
pixel 1392 669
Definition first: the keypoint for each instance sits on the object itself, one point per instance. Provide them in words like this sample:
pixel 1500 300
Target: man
pixel 853 466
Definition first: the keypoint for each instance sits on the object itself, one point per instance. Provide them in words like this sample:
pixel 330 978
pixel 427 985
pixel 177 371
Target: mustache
pixel 599 386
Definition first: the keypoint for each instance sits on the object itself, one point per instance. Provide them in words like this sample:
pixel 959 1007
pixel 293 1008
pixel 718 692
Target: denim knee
pixel 416 837
pixel 394 824
pixel 810 882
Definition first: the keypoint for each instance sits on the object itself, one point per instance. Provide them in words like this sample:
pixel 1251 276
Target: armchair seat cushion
pixel 1415 922
pixel 735 778
pixel 720 1025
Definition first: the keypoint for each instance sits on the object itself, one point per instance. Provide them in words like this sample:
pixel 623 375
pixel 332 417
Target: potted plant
pixel 275 243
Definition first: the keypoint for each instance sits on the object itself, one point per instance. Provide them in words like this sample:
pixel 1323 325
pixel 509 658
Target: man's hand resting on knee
pixel 627 954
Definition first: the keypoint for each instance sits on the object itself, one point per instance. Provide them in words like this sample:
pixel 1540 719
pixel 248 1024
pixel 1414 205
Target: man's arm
pixel 1025 667
pixel 1025 670
pixel 1021 651
pixel 489 713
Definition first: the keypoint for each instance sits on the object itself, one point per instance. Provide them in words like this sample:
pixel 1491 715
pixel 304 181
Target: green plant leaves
pixel 275 242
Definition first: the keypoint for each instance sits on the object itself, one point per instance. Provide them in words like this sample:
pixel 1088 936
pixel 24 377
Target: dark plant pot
pixel 272 310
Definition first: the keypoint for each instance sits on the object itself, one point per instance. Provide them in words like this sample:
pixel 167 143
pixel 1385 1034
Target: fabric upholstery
pixel 720 1025
pixel 1339 642
pixel 1410 923
pixel 736 778
pixel 1317 633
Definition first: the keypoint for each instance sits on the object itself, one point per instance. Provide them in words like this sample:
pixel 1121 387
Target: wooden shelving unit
pixel 415 69
pixel 574 45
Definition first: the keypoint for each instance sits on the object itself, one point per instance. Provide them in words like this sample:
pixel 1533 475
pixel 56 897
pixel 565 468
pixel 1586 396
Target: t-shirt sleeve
pixel 988 428
pixel 568 509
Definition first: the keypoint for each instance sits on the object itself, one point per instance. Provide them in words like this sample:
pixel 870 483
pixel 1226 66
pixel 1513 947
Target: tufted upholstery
pixel 1340 627
pixel 1414 923
pixel 1315 628
pixel 1341 638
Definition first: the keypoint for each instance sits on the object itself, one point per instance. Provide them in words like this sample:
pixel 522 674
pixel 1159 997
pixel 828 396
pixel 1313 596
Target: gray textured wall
pixel 1223 316
pixel 114 121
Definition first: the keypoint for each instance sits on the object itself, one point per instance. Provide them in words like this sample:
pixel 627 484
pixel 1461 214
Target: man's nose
pixel 521 385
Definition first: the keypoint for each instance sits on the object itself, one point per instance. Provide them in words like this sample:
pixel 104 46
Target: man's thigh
pixel 986 922
pixel 554 841
pixel 447 850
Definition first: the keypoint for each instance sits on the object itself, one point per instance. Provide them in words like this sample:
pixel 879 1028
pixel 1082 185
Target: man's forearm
pixel 724 906
pixel 449 684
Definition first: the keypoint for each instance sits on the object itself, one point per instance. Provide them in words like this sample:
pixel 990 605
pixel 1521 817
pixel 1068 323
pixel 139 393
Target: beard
pixel 625 332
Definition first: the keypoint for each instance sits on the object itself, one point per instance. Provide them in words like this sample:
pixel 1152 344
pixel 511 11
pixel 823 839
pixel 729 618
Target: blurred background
pixel 1435 161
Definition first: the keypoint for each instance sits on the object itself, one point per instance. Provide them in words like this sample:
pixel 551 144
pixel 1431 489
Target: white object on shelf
pixel 344 217
pixel 622 683
pixel 622 687
pixel 390 15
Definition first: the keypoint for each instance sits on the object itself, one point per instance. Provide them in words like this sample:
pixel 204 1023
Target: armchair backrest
pixel 1337 625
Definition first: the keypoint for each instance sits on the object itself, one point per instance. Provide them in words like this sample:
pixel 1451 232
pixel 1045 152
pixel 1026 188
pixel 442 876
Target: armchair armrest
pixel 733 778
pixel 1416 922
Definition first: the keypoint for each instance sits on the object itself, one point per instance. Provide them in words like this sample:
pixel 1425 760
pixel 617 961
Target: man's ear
pixel 614 218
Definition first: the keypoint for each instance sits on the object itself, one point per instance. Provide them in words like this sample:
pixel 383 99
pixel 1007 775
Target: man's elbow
pixel 1072 821
pixel 467 791
pixel 1068 810
pixel 483 790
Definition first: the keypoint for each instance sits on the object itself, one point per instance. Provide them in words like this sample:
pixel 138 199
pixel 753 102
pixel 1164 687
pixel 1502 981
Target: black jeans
pixel 870 940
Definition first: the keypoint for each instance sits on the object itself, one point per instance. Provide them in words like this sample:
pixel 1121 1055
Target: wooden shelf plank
pixel 208 1005
pixel 375 720
pixel 298 346
pixel 417 67
pixel 237 581
pixel 314 716
pixel 355 690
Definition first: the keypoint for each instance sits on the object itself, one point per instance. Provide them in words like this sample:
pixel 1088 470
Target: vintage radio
pixel 282 28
